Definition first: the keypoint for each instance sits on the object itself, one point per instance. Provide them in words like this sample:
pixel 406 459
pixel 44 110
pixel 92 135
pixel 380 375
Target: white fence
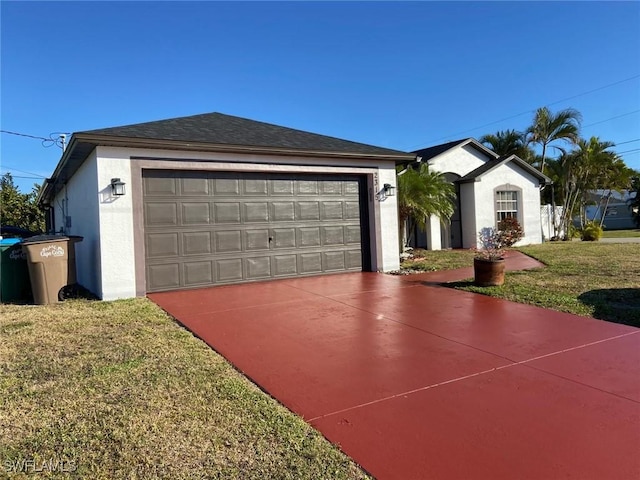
pixel 550 222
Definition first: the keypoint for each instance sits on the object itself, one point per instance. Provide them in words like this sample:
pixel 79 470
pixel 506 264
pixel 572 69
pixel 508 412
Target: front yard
pixel 119 390
pixel 108 390
pixel 586 278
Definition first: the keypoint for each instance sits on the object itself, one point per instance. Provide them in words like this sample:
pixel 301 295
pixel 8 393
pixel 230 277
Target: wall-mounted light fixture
pixel 389 190
pixel 117 187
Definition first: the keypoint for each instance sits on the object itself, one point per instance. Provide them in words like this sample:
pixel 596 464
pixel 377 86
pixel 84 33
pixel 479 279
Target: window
pixel 506 204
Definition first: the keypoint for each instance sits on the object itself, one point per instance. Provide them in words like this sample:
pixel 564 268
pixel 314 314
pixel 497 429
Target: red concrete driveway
pixel 415 381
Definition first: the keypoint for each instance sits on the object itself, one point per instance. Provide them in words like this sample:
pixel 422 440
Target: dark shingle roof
pixel 491 164
pixel 428 153
pixel 220 129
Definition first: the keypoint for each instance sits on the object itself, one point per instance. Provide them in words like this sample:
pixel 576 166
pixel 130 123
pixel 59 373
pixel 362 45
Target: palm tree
pixel 549 127
pixel 421 194
pixel 590 166
pixel 508 142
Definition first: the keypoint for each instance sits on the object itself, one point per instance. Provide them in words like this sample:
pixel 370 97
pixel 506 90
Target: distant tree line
pixel 20 209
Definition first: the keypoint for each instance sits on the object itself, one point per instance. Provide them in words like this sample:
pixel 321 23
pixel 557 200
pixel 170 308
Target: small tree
pixel 509 231
pixel 20 209
pixel 422 193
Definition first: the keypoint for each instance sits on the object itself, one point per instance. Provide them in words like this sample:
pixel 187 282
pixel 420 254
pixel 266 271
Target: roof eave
pixel 92 140
pixel 135 142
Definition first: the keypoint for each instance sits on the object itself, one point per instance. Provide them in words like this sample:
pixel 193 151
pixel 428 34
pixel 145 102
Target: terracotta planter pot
pixel 488 273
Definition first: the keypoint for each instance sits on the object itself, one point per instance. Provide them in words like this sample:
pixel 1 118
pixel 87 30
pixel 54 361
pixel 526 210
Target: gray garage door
pixel 214 228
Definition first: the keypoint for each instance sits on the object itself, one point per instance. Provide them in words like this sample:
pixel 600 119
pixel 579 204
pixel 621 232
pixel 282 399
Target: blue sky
pixel 398 75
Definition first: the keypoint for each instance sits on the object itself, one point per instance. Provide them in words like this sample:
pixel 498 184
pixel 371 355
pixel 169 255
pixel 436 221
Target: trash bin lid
pixel 5 242
pixel 50 238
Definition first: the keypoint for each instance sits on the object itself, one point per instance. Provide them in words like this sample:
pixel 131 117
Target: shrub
pixel 509 231
pixel 592 232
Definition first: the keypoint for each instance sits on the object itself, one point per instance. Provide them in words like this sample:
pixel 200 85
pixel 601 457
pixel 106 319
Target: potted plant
pixel 488 263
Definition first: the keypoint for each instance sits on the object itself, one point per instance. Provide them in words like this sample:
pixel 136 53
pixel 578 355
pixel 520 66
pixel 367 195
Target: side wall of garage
pixel 122 221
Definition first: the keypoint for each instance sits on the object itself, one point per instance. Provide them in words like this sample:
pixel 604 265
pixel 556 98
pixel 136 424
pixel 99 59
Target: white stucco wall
pixel 468 222
pixel 112 271
pixel 508 174
pixel 459 161
pixel 117 255
pixel 78 200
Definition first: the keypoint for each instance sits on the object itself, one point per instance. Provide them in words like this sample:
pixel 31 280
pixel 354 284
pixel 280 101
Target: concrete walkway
pixel 416 381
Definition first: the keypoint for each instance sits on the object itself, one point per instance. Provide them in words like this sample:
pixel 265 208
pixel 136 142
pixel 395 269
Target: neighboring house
pixel 488 189
pixel 214 199
pixel 615 206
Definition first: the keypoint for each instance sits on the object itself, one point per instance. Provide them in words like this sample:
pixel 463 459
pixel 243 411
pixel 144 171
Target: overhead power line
pixel 528 112
pixel 24 135
pixel 629 151
pixel 612 118
pixel 22 176
pixel 46 142
pixel 628 141
pixel 9 167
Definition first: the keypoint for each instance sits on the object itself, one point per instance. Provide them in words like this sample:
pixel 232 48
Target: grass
pixel 586 278
pixel 621 233
pixel 431 261
pixel 119 390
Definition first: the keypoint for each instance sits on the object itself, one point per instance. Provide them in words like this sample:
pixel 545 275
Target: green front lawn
pixel 119 390
pixel 621 233
pixel 586 278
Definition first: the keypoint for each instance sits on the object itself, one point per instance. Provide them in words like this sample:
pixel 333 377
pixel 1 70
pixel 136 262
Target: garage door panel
pixel 204 228
pixel 162 245
pixel 228 241
pixel 255 187
pixel 227 212
pixel 161 214
pixel 163 276
pixel 194 186
pixel 283 211
pixel 351 235
pixel 226 187
pixel 283 238
pixel 258 268
pixel 309 237
pixel 330 187
pixel 306 187
pixel 256 239
pixel 198 273
pixel 159 186
pixel 228 270
pixel 333 261
pixel 351 187
pixel 256 212
pixel 307 211
pixel 310 263
pixel 353 259
pixel 196 243
pixel 331 210
pixel 351 211
pixel 282 187
pixel 285 265
pixel 332 236
pixel 195 213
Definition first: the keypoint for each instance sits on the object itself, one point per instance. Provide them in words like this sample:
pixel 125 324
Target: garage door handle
pixel 270 239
